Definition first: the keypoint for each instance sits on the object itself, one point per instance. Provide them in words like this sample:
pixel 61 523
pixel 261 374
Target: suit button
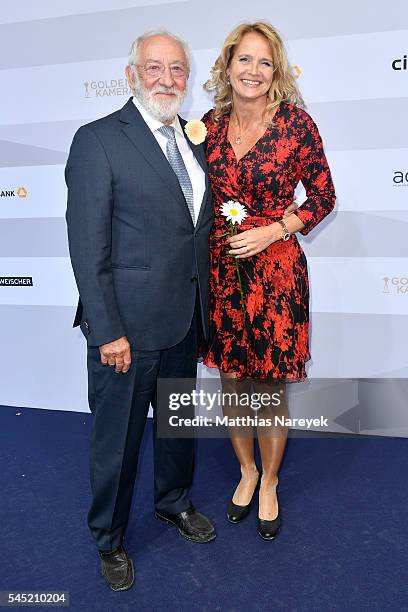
pixel 194 279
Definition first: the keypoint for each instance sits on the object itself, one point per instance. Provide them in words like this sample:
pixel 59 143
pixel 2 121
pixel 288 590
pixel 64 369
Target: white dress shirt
pixel 195 172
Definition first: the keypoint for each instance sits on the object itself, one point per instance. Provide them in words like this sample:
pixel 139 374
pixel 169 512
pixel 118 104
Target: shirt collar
pixel 152 123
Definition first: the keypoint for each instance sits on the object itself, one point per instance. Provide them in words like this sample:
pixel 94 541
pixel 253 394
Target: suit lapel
pixel 135 128
pixel 140 135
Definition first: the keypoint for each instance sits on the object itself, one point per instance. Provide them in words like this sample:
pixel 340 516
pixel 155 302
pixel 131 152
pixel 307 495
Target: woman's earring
pixel 228 82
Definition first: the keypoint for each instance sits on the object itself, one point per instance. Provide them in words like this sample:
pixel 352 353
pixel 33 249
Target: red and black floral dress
pixel 271 341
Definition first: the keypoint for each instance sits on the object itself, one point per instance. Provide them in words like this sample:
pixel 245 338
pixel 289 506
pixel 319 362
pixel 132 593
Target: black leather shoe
pixel 117 569
pixel 268 530
pixel 191 524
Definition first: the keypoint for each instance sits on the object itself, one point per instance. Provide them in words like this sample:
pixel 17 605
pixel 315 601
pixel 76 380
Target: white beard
pixel 163 110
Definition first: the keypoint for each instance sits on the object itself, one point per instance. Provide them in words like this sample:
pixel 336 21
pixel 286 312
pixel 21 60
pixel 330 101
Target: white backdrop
pixel 62 65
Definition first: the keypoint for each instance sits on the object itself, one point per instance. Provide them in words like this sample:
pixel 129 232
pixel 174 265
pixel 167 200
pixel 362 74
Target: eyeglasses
pixel 155 70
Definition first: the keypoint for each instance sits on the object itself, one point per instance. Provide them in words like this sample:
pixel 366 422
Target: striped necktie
pixel 177 163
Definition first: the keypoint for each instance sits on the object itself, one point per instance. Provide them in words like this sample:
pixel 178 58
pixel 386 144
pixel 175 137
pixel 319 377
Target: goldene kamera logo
pixel 395 284
pixel 106 88
pixel 20 192
pixel 296 71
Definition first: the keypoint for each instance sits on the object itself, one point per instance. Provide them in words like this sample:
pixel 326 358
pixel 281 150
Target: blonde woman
pixel 260 144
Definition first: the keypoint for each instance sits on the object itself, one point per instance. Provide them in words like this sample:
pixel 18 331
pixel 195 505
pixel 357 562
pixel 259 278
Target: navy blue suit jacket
pixel 136 255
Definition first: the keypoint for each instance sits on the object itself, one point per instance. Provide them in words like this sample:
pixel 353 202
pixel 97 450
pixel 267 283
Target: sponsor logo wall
pixel 353 74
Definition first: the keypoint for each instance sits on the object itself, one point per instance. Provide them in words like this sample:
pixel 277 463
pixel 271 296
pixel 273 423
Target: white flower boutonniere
pixel 196 131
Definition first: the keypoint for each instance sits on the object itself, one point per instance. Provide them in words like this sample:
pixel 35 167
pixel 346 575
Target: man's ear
pixel 129 76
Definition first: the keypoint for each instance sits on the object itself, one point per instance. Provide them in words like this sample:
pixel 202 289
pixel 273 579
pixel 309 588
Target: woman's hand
pixel 291 208
pixel 253 241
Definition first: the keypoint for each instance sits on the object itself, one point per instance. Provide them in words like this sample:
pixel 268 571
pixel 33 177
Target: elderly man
pixel 139 216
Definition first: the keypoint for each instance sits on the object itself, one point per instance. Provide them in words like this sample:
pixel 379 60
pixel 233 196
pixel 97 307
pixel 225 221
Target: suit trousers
pixel 120 405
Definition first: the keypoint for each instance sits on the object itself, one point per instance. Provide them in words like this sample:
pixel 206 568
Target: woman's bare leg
pixel 272 442
pixel 242 438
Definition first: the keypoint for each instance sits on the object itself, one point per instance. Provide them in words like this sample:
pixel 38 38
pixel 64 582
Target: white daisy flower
pixel 234 212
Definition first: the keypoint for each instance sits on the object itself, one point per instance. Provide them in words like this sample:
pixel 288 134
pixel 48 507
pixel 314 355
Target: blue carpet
pixel 343 544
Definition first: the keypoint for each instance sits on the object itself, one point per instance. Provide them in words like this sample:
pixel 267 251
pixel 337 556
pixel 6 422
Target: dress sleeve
pixel 315 176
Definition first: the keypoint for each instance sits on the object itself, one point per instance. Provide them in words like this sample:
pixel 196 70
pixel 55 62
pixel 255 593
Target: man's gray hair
pixel 133 58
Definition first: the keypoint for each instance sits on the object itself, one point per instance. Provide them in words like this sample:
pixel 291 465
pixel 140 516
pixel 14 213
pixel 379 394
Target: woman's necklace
pixel 238 137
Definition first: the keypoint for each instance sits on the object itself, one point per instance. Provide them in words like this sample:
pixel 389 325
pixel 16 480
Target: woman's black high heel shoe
pixel 235 513
pixel 268 530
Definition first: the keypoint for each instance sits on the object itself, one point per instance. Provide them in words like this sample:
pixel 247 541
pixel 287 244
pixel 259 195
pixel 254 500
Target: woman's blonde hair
pixel 283 87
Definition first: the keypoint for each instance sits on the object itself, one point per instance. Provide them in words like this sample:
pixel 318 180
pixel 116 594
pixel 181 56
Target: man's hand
pixel 117 355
